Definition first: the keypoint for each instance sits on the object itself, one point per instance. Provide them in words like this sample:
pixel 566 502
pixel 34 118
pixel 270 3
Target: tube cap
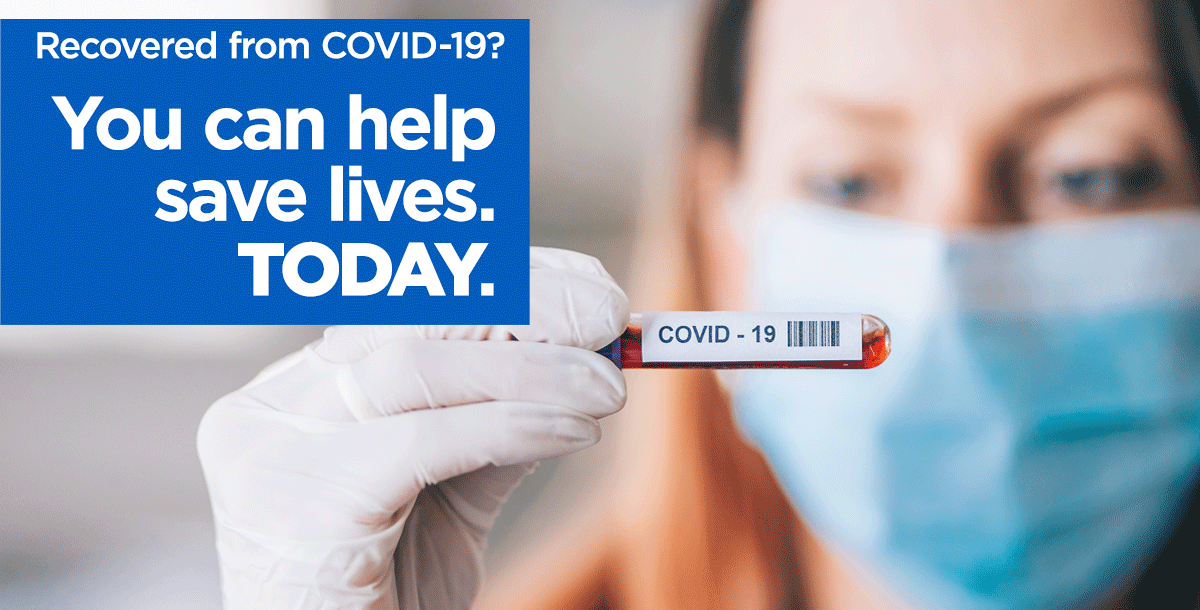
pixel 612 351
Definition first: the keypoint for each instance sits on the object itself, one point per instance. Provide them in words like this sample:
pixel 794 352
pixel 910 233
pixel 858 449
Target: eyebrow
pixel 878 115
pixel 1060 103
pixel 1046 109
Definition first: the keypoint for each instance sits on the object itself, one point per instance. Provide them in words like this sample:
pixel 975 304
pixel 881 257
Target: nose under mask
pixel 1037 423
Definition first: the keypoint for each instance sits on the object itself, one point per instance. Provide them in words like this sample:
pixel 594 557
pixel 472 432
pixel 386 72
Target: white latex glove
pixel 366 470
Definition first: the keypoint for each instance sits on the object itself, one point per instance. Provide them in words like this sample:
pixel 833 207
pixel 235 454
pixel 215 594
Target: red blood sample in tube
pixel 626 352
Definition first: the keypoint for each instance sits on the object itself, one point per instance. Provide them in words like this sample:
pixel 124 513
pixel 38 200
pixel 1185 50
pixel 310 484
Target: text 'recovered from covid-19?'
pixel 264 172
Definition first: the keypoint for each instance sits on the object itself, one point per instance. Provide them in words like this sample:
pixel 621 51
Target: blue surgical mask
pixel 1038 421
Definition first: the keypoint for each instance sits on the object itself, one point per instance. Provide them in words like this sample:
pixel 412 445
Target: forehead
pixel 942 55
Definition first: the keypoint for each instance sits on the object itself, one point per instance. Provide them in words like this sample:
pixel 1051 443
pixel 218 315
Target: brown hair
pixel 717 530
pixel 721 76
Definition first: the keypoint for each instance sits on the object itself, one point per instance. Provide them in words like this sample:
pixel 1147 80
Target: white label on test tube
pixel 736 336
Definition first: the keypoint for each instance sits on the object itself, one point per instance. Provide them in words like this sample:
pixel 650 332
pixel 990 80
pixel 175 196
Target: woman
pixel 1009 183
pixel 962 115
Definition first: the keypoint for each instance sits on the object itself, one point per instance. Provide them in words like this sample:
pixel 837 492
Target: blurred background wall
pixel 102 502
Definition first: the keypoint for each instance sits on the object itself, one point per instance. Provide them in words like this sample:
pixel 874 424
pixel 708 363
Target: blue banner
pixel 264 172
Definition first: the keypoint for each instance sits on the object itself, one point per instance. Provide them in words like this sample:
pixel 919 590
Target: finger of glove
pixel 307 384
pixel 353 343
pixel 431 446
pixel 412 374
pixel 439 560
pixel 573 301
pixel 570 307
pixel 341 480
pixel 408 375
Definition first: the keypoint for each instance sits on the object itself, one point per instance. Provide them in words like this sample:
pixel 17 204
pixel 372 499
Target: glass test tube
pixel 750 340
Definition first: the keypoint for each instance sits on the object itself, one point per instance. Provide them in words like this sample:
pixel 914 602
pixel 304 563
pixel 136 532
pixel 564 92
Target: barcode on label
pixel 814 333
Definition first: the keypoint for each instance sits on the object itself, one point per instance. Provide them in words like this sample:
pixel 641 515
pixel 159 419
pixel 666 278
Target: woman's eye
pixel 1107 187
pixel 842 190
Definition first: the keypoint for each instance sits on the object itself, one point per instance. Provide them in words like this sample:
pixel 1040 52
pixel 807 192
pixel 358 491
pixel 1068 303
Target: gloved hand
pixel 366 470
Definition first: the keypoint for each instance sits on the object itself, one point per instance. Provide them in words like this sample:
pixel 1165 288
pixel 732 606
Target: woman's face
pixel 954 113
pixel 958 114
